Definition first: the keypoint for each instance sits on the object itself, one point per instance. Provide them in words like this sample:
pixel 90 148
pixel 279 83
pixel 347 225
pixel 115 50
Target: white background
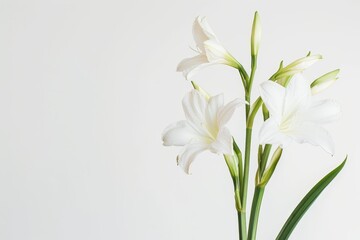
pixel 86 88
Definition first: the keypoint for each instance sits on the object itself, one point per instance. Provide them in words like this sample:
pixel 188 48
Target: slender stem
pixel 260 151
pixel 255 211
pixel 246 167
pixel 245 179
pixel 248 131
pixel 249 87
pixel 242 225
pixel 244 185
pixel 252 74
pixel 247 106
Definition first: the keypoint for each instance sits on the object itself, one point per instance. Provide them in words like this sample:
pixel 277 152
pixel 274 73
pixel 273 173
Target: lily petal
pixel 297 94
pixel 178 134
pixel 225 113
pixel 194 105
pixel 216 53
pixel 315 135
pixel 322 112
pixel 273 96
pixel 202 32
pixel 214 104
pixel 270 134
pixel 223 143
pixel 189 66
pixel 189 153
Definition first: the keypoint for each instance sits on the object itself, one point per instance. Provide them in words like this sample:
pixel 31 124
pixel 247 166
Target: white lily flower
pixel 210 50
pixel 296 116
pixel 203 129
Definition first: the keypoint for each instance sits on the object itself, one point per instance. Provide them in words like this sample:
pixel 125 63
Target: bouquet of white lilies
pixel 290 114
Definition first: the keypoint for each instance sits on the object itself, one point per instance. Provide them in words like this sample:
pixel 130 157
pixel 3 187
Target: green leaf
pixel 306 202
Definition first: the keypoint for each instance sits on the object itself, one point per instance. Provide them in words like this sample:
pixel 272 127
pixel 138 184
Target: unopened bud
pixel 295 67
pixel 324 81
pixel 255 35
pixel 269 170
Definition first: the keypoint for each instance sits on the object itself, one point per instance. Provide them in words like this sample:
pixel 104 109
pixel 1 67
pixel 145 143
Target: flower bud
pixel 324 81
pixel 295 67
pixel 255 35
pixel 269 170
pixel 231 162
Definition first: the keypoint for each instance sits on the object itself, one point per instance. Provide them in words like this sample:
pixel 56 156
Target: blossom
pixel 203 129
pixel 295 115
pixel 210 50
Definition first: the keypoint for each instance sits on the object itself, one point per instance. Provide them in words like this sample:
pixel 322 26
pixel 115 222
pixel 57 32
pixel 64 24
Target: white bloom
pixel 295 115
pixel 203 129
pixel 210 50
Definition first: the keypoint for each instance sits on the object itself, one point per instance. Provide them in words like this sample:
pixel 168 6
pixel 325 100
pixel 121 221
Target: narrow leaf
pixel 306 202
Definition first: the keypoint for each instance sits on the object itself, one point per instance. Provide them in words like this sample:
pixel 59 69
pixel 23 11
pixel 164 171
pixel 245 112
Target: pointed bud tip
pixel 255 35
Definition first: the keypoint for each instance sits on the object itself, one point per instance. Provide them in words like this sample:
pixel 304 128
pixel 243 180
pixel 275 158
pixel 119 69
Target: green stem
pixel 252 74
pixel 247 106
pixel 246 167
pixel 244 180
pixel 242 225
pixel 248 131
pixel 249 87
pixel 255 211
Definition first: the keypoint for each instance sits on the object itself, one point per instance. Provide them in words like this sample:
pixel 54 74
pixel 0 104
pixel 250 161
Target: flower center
pixel 287 121
pixel 211 132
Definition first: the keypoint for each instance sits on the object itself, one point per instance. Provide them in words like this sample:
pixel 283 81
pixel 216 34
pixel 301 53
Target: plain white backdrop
pixel 86 88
